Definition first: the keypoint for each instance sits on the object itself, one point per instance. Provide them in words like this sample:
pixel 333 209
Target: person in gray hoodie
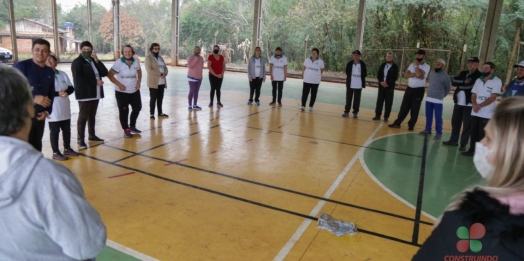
pixel 256 72
pixel 43 212
pixel 439 87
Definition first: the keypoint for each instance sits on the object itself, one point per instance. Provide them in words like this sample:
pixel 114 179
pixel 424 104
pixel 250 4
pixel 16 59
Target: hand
pixel 93 55
pixel 476 108
pixel 285 78
pixel 416 62
pixel 43 101
pixel 272 79
pixel 63 94
pixel 99 83
pixel 384 84
pixel 467 80
pixel 220 76
pixel 250 79
pixel 121 87
pixel 263 79
pixel 42 115
pixel 138 86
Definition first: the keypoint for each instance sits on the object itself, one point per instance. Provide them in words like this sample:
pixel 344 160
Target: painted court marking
pixel 121 175
pixel 300 230
pixel 129 251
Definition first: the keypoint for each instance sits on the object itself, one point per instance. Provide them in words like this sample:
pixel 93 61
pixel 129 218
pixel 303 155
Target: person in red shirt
pixel 216 65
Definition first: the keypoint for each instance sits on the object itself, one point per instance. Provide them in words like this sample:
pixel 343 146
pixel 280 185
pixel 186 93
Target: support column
pixel 90 21
pixel 174 29
pixel 13 30
pixel 116 29
pixel 257 21
pixel 55 30
pixel 359 38
pixel 491 27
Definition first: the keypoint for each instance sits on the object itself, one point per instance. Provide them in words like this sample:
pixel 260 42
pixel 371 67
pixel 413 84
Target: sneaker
pixel 376 119
pixel 396 126
pixel 196 107
pixel 219 105
pixel 355 116
pixel 302 108
pixel 468 153
pixel 95 138
pixel 81 144
pixel 449 143
pixel 163 115
pixel 210 104
pixel 411 128
pixel 134 130
pixel 70 152
pixel 437 137
pixel 257 103
pixel 249 102
pixel 272 103
pixel 280 105
pixel 462 148
pixel 310 108
pixel 152 116
pixel 59 156
pixel 189 108
pixel 425 132
pixel 385 119
pixel 345 114
pixel 127 133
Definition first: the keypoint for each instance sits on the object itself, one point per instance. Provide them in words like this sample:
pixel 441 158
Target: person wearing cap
pixel 439 87
pixel 356 73
pixel 483 97
pixel 387 76
pixel 417 73
pixel 278 72
pixel 516 87
pixel 89 89
pixel 462 110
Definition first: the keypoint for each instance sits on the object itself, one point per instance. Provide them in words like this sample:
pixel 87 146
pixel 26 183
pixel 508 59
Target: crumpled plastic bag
pixel 336 226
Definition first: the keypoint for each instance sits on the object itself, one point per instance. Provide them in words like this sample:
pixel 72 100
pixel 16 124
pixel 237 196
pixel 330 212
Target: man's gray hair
pixel 391 54
pixel 15 95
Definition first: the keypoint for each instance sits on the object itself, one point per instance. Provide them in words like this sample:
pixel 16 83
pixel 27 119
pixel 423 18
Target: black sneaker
pixel 95 138
pixel 345 114
pixel 163 115
pixel 127 133
pixel 355 116
pixel 462 148
pixel 81 144
pixel 272 103
pixel 468 153
pixel 210 104
pixel 59 156
pixel 134 130
pixel 449 143
pixel 396 126
pixel 219 105
pixel 411 128
pixel 152 116
pixel 376 119
pixel 70 152
pixel 385 119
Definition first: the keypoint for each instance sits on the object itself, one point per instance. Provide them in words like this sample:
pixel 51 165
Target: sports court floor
pixel 248 183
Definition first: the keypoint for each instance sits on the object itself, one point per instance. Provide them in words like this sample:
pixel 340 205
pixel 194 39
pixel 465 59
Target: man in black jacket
pixel 356 80
pixel 462 110
pixel 387 76
pixel 87 76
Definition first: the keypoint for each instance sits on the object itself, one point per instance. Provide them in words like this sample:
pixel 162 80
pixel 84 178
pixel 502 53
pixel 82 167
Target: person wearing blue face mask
pixel 483 97
pixel 516 87
pixel 492 212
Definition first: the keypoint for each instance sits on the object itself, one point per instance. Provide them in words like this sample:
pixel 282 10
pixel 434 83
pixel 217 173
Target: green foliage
pixel 78 16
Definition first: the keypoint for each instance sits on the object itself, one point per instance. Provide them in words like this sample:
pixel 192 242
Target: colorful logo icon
pixel 470 238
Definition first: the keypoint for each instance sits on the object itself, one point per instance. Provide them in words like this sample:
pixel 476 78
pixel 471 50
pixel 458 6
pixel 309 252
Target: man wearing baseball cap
pixel 462 110
pixel 516 87
pixel 356 72
pixel 417 73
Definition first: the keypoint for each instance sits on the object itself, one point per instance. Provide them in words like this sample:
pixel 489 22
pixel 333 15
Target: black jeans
pixel 254 88
pixel 461 119
pixel 156 96
pixel 87 115
pixel 305 93
pixel 349 100
pixel 124 100
pixel 385 95
pixel 477 131
pixel 277 85
pixel 411 102
pixel 216 84
pixel 36 134
pixel 55 128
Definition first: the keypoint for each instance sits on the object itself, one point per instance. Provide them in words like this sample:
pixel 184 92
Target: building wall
pixel 24 45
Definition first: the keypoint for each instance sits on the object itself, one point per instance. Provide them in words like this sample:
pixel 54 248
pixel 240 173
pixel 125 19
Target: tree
pixel 130 29
pixel 78 16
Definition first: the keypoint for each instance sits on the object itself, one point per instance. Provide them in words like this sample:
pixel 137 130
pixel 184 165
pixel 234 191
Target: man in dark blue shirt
pixel 42 81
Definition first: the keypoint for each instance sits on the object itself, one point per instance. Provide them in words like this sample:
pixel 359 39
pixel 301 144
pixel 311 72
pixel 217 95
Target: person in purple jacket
pixel 42 81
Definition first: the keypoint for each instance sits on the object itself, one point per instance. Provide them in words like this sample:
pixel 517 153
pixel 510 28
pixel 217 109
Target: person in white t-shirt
pixel 60 119
pixel 278 72
pixel 483 97
pixel 356 72
pixel 417 73
pixel 312 75
pixel 126 75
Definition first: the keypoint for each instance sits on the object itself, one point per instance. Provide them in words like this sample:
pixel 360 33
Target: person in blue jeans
pixel 439 87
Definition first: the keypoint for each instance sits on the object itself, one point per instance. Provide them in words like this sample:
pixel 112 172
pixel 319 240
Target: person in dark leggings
pixel 60 119
pixel 127 92
pixel 217 66
pixel 278 71
pixel 256 72
pixel 312 75
pixel 156 80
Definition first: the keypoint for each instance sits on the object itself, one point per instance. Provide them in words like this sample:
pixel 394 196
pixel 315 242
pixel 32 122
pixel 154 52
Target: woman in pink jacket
pixel 195 65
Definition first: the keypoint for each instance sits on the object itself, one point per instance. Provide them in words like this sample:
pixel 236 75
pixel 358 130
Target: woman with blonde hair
pixel 488 221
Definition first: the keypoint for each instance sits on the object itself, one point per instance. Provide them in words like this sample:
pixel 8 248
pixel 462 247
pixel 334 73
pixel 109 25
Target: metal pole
pixel 55 30
pixel 400 67
pixel 256 24
pixel 463 60
pixel 174 30
pixel 360 24
pixel 90 20
pixel 305 46
pixel 13 30
pixel 116 29
pixel 491 27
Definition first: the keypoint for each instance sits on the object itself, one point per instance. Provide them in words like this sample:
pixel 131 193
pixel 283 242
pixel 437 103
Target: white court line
pixel 300 230
pixel 129 251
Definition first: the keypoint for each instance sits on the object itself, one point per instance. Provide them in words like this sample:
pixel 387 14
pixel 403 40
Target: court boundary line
pixel 305 224
pixel 129 251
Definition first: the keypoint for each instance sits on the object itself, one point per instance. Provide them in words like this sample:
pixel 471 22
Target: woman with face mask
pixel 195 66
pixel 156 79
pixel 216 65
pixel 126 75
pixel 256 72
pixel 488 220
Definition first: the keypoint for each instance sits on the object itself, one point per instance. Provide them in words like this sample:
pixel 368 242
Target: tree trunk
pixel 513 52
